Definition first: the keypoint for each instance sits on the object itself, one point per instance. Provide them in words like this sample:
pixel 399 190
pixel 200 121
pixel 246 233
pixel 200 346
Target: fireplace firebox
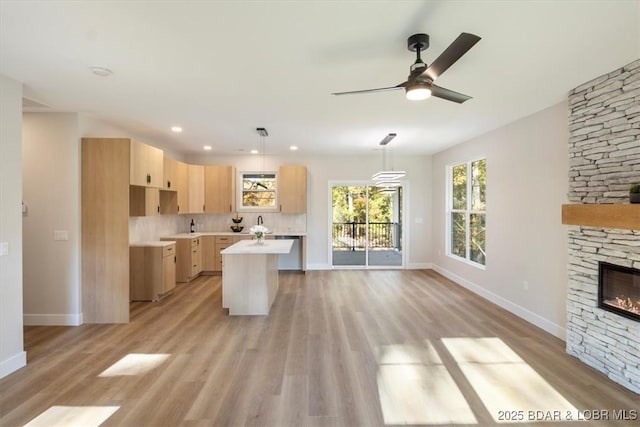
pixel 619 290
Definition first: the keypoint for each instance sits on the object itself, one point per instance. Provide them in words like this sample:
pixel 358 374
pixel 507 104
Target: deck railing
pixel 353 235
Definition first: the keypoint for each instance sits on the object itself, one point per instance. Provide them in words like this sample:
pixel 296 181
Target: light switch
pixel 4 248
pixel 60 235
pixel 418 220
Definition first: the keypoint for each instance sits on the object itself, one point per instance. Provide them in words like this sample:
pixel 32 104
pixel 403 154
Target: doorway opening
pixel 367 228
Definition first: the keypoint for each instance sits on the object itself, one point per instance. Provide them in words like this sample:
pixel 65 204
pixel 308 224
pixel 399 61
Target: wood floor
pixel 346 348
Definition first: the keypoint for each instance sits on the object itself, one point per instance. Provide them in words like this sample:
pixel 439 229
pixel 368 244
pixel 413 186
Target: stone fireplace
pixel 604 160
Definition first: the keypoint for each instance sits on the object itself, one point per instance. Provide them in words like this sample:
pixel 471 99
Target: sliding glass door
pixel 366 226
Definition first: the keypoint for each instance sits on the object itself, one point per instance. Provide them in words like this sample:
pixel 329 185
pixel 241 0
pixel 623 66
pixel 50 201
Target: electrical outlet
pixel 60 235
pixel 525 285
pixel 4 248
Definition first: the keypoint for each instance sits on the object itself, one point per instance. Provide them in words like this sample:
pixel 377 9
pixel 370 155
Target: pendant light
pixel 387 178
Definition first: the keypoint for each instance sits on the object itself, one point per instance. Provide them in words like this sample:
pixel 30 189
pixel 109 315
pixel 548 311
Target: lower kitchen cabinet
pixel 189 257
pixel 152 270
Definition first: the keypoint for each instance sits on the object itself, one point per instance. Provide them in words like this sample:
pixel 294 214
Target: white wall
pixel 12 354
pixel 323 169
pixel 527 167
pixel 51 191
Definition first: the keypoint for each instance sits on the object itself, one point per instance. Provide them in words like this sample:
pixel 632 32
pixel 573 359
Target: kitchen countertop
pixel 230 233
pixel 249 247
pixel 152 244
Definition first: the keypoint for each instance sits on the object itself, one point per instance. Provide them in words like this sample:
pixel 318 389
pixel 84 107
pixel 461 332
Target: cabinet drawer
pixel 223 239
pixel 169 250
pixel 195 241
pixel 220 247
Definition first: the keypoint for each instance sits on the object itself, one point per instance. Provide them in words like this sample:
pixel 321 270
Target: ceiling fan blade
pixel 448 94
pixel 382 89
pixel 459 47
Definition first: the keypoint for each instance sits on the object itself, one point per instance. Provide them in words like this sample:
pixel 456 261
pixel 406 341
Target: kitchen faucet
pixel 259 219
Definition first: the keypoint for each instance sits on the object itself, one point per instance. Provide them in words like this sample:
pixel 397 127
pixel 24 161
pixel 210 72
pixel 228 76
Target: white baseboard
pixel 13 363
pixel 52 319
pixel 419 266
pixel 319 267
pixel 516 309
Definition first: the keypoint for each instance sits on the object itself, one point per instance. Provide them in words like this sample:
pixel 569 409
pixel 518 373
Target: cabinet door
pixel 146 165
pixel 168 273
pixel 292 189
pixel 155 166
pixel 219 189
pixel 208 253
pixel 196 188
pixel 196 259
pixel 182 176
pixel 170 173
pixel 139 175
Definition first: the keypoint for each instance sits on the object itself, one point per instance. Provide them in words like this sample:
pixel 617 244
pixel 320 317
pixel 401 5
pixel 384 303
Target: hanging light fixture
pixel 263 134
pixel 387 178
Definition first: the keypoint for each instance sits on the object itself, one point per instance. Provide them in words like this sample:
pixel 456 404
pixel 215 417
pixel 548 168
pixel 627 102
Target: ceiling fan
pixel 419 84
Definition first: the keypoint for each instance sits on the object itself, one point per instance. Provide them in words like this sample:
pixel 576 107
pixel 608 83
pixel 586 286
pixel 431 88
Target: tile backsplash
pixel 154 227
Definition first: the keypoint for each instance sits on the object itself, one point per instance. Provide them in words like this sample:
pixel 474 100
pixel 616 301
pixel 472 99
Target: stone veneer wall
pixel 604 160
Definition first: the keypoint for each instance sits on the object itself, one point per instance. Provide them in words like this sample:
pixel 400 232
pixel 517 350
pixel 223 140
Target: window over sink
pixel 258 191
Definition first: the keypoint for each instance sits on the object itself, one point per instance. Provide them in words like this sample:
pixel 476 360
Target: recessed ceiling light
pixel 101 71
pixel 176 129
pixel 207 147
pixel 293 148
pixel 254 151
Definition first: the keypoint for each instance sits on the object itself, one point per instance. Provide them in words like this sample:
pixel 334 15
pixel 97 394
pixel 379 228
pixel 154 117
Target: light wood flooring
pixel 346 348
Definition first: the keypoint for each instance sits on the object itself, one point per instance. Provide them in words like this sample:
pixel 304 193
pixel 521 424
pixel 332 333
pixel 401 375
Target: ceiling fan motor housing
pixel 418 41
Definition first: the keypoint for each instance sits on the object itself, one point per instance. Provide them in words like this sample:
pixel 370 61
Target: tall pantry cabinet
pixel 109 166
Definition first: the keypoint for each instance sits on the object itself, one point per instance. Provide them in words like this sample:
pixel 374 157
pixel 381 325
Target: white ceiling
pixel 221 69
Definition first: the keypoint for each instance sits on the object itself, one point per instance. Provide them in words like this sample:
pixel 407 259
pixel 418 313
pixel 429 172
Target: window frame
pixel 468 211
pixel 240 192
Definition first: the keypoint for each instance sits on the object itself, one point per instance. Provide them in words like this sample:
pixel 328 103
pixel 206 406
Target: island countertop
pixel 249 247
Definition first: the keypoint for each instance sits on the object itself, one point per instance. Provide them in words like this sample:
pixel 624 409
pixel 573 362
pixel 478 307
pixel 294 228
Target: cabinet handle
pixel 229 207
pixel 175 259
pixel 168 184
pixel 158 208
pixel 148 178
pixel 169 249
pixel 178 208
pixel 202 208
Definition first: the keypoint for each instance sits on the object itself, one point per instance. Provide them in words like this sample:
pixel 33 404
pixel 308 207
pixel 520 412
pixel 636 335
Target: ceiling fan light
pixel 418 92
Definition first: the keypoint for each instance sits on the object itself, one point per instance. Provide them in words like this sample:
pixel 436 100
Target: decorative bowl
pixel 236 228
pixel 236 219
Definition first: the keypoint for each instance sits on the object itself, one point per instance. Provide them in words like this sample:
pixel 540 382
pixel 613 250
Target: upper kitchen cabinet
pixel 219 189
pixel 146 166
pixel 196 188
pixel 292 189
pixel 182 187
pixel 170 173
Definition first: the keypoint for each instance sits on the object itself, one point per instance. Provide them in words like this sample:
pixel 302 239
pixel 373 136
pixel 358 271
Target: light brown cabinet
pixel 182 187
pixel 144 201
pixel 189 258
pixel 146 165
pixel 220 189
pixel 170 174
pixel 208 244
pixel 152 271
pixel 105 229
pixel 196 188
pixel 292 189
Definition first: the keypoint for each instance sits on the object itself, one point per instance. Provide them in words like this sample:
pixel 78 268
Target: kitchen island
pixel 250 275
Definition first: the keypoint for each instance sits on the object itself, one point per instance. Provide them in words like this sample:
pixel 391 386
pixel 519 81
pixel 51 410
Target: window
pixel 258 191
pixel 466 211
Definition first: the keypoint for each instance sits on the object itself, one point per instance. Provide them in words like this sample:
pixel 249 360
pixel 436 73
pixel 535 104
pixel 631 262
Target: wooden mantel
pixel 626 217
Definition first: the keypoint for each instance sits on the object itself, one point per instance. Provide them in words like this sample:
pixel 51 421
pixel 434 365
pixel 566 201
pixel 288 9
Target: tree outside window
pixel 467 211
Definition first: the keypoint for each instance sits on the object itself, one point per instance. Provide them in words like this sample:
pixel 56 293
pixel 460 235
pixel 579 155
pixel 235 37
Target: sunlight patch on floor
pixel 505 382
pixel 135 364
pixel 416 388
pixel 73 416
